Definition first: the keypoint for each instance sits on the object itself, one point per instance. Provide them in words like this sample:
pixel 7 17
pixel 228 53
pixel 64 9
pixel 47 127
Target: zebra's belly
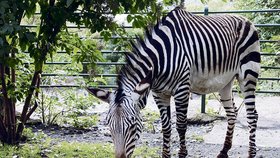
pixel 203 84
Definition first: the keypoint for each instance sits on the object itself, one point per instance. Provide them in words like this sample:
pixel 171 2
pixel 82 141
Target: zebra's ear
pixel 139 90
pixel 141 87
pixel 144 84
pixel 100 93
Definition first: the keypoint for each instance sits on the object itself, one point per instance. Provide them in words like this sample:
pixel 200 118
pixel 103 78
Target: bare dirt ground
pixel 204 140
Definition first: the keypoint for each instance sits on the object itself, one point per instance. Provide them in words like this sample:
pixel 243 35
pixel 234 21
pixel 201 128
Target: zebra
pixel 185 53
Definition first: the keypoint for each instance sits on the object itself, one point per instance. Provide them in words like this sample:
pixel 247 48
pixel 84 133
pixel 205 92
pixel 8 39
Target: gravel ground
pixel 197 148
pixel 196 133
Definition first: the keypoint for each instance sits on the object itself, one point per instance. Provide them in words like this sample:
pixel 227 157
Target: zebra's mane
pixel 135 55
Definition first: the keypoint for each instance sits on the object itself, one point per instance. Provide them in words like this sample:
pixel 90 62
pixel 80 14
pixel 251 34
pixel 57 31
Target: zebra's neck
pixel 155 51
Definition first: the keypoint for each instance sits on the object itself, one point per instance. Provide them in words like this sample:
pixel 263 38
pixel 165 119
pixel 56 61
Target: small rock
pixel 79 132
pixel 105 131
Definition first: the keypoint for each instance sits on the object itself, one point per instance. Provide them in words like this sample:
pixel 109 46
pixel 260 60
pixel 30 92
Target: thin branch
pixel 13 69
pixel 36 96
pixel 56 115
pixel 43 108
pixel 32 110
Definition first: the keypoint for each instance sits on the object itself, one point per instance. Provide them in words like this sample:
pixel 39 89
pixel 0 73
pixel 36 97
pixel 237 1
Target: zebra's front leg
pixel 163 103
pixel 226 99
pixel 181 101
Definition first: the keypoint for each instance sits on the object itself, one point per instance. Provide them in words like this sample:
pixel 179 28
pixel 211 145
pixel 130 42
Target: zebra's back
pixel 214 47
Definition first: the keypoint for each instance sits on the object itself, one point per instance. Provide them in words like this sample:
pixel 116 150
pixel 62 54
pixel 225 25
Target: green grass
pixel 212 112
pixel 39 145
pixel 149 119
pixel 72 149
pixel 81 150
pixel 145 151
pixel 197 138
pixel 23 150
pixel 60 150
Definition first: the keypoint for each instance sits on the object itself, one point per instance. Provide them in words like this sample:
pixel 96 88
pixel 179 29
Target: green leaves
pixel 68 3
pixel 106 34
pixel 81 50
pixel 26 39
pixel 169 2
pixel 140 21
pixel 262 18
pixel 1 42
pixel 3 5
pixel 30 8
pixel 129 18
pixel 204 1
pixel 12 62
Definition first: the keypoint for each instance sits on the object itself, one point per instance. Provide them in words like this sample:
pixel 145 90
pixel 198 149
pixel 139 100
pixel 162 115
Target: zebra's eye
pixel 131 118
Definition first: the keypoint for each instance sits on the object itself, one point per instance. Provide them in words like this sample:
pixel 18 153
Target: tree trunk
pixel 8 118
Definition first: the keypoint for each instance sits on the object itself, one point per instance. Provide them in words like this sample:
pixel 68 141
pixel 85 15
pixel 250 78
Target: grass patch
pixel 81 122
pixel 72 149
pixel 150 118
pixel 32 149
pixel 212 112
pixel 197 138
pixel 39 145
pixel 145 151
pixel 81 150
pixel 8 151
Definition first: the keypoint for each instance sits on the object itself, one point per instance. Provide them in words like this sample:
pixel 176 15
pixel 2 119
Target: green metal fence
pixel 205 12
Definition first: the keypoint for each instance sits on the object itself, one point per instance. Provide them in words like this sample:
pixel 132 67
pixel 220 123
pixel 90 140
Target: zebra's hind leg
pixel 226 99
pixel 181 101
pixel 163 103
pixel 248 89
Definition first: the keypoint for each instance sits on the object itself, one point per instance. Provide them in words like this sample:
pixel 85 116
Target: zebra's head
pixel 123 118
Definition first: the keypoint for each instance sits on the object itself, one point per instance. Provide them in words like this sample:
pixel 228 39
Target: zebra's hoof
pixel 252 152
pixel 252 156
pixel 222 155
pixel 183 153
pixel 166 154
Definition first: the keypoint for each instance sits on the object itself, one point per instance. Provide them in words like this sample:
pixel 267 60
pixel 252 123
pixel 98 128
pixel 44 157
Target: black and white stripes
pixel 186 53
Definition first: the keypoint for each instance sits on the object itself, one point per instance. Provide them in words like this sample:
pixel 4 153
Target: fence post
pixel 203 97
pixel 203 103
pixel 206 10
